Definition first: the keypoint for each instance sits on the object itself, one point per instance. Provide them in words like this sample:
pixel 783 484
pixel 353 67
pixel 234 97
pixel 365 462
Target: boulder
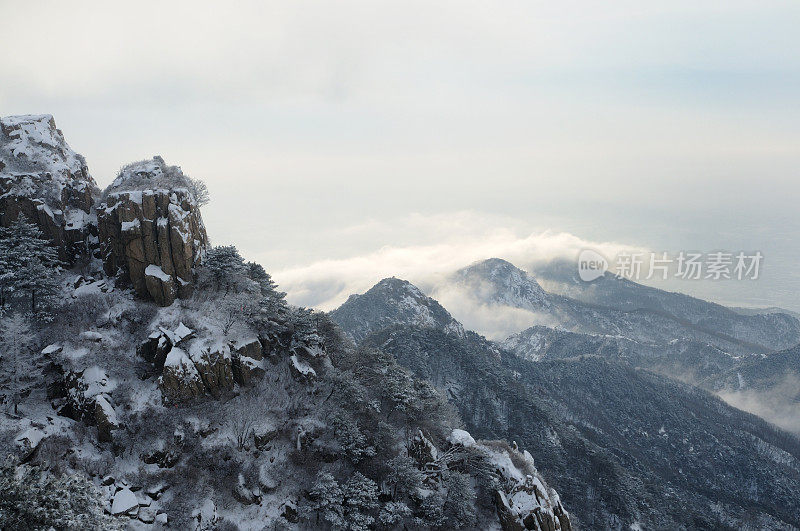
pixel 155 349
pixel 245 369
pixel 250 347
pixel 147 515
pixel 124 503
pixel 301 370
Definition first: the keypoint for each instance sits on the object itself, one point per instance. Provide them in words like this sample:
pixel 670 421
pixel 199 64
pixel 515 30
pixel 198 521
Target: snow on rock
pixel 214 363
pixel 52 349
pixel 461 437
pixel 150 228
pixel 30 438
pixel 301 368
pixel 180 380
pixel 157 272
pixel 95 380
pixel 124 502
pixel 91 335
pixel 42 178
pixel 524 501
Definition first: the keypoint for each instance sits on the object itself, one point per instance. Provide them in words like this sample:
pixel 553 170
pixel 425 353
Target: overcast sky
pixel 347 141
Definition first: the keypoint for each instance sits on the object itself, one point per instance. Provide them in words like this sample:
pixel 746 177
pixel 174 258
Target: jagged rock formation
pixel 42 178
pixel 523 499
pixel 150 228
pixel 193 367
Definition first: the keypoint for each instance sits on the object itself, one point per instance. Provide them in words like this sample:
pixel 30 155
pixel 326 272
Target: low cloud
pixel 326 284
pixel 778 405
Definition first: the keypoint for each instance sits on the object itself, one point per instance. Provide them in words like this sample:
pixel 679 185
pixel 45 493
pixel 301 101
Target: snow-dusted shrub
pixel 33 499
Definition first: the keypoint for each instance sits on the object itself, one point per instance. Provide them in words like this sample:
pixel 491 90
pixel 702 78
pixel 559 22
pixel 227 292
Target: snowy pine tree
pixel 28 265
pixel 361 498
pixel 17 361
pixel 33 499
pixel 326 501
pixel 403 476
pixel 259 275
pixel 224 267
pixel 459 505
pixel 393 514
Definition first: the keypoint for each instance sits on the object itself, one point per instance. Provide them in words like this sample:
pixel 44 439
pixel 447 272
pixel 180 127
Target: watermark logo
pixel 685 265
pixel 591 265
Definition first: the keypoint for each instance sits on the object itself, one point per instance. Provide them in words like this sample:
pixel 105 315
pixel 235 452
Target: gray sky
pixel 347 141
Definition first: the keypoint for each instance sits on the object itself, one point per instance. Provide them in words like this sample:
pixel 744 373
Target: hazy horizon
pixel 346 143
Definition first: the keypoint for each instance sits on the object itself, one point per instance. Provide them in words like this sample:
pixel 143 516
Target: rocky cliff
pixel 42 178
pixel 151 231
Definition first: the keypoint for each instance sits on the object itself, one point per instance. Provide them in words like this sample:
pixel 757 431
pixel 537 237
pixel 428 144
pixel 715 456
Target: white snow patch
pixel 124 501
pixel 462 438
pixel 155 271
pixel 302 367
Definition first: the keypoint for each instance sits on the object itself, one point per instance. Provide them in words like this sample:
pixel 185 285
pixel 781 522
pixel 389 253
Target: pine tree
pixel 459 506
pixel 403 476
pixel 224 266
pixel 361 498
pixel 326 500
pixel 17 361
pixel 394 513
pixel 33 499
pixel 6 270
pixel 259 275
pixel 28 264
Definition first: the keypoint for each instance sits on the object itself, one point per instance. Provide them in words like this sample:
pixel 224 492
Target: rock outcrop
pixel 193 367
pixel 523 500
pixel 42 178
pixel 150 230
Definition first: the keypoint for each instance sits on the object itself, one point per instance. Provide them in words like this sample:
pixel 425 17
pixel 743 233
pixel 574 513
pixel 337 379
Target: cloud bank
pixel 325 284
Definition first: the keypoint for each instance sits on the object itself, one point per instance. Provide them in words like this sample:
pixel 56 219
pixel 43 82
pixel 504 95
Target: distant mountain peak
pixel 498 281
pixel 390 302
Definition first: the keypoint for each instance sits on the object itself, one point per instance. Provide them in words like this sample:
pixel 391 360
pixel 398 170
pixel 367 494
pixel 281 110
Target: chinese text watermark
pixel 685 265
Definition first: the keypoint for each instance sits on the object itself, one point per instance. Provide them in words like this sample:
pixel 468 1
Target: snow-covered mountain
pixel 389 302
pixel 640 313
pixel 771 329
pixel 624 447
pixel 44 179
pixel 496 281
pixel 163 383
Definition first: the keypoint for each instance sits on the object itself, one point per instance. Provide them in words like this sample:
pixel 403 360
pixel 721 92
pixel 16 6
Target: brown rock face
pixel 44 180
pixel 180 380
pixel 155 237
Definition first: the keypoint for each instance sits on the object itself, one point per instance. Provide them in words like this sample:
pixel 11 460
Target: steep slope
pixel 622 446
pixel 42 178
